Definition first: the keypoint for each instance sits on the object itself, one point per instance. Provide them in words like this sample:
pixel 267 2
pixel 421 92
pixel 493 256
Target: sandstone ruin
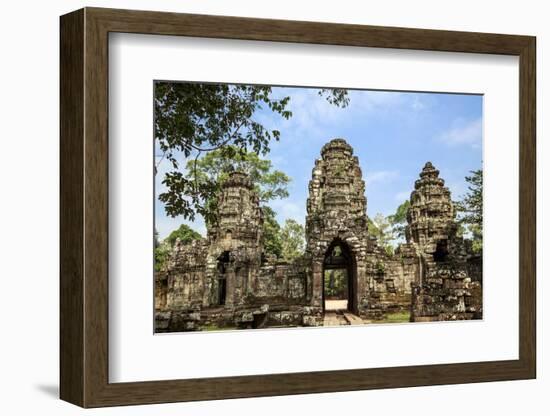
pixel 226 280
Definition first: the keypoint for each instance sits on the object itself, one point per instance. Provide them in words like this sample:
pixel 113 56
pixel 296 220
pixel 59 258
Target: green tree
pixel 185 234
pixel 156 238
pixel 214 167
pixel 398 221
pixel 470 209
pixel 380 227
pixel 163 248
pixel 271 233
pixel 336 284
pixel 371 226
pixel 162 253
pixel 292 239
pixel 194 118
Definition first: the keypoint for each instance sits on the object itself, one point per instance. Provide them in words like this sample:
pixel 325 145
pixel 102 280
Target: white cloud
pixel 312 114
pixel 402 196
pixel 380 176
pixel 464 132
pixel 286 209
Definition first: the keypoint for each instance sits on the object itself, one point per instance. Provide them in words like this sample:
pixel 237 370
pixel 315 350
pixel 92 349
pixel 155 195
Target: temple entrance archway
pixel 339 278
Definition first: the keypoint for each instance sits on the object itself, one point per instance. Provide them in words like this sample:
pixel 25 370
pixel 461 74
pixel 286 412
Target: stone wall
pixel 446 295
pixel 281 282
pixel 221 280
pixel 181 283
pixel 390 280
pixel 226 279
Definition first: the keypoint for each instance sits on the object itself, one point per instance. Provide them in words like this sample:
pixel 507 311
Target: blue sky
pixel 393 133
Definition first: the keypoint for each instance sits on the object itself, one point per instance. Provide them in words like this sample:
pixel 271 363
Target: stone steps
pixel 334 319
pixel 337 318
pixel 353 319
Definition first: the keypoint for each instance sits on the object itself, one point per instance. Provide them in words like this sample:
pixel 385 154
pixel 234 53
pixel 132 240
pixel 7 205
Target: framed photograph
pixel 255 207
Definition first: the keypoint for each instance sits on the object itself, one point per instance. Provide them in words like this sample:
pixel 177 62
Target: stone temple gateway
pixel 226 280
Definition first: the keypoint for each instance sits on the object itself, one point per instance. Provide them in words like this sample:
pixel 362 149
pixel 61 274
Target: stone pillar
pixel 317 289
pixel 230 283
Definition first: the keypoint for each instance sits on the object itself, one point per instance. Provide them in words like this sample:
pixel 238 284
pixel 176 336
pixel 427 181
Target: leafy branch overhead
pixel 194 119
pixel 191 119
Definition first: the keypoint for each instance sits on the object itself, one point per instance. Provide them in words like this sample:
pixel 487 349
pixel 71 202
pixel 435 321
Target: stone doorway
pixel 224 261
pixel 339 278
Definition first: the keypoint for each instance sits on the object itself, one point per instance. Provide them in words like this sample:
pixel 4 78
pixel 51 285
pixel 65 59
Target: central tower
pixel 336 221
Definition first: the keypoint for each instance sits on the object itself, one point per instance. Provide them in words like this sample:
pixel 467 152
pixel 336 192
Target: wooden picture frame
pixel 84 207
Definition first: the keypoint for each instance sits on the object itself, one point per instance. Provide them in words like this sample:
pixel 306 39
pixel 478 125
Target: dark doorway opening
pixel 339 278
pixel 223 265
pixel 222 291
pixel 441 251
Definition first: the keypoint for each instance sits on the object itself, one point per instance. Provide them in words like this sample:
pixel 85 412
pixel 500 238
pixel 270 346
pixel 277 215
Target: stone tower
pixel 234 254
pixel 336 215
pixel 444 290
pixel 337 201
pixel 239 217
pixel 431 214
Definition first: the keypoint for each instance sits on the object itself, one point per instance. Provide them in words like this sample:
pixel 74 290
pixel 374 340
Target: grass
pixel 396 317
pixel 218 328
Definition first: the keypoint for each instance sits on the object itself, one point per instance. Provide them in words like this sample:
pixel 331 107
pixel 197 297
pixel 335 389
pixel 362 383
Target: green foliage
pixel 162 253
pixel 371 226
pixel 336 284
pixel 271 233
pixel 380 268
pixel 213 168
pixel 336 96
pixel 196 118
pixel 396 317
pixel 156 238
pixel 214 327
pixel 390 228
pixel 292 240
pixel 287 242
pixel 477 238
pixel 380 228
pixel 470 209
pixel 398 221
pixel 185 233
pixel 164 248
